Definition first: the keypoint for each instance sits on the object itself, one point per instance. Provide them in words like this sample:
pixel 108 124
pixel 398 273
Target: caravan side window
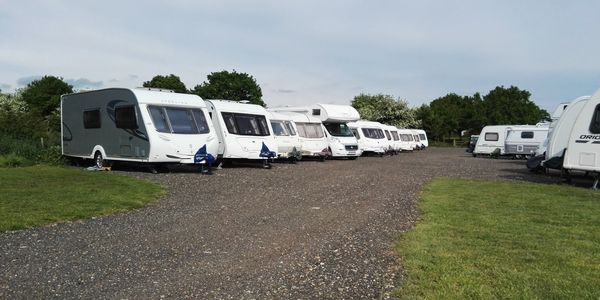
pixel 125 117
pixel 595 125
pixel 491 136
pixel 422 137
pixel 527 134
pixel 91 119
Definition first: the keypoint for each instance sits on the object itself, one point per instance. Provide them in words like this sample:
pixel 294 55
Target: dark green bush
pixel 13 161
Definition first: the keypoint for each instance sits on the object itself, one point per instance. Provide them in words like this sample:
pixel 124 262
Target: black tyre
pixel 99 161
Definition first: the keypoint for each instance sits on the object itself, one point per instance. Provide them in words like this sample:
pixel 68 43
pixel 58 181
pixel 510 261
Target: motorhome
pixel 370 136
pixel 151 126
pixel 311 134
pixel 334 118
pixel 522 141
pixel 244 131
pixel 583 150
pixel 289 145
pixel 422 137
pixel 560 132
pixel 408 139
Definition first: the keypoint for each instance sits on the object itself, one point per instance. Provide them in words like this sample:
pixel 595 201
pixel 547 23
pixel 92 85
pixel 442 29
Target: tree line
pixel 31 116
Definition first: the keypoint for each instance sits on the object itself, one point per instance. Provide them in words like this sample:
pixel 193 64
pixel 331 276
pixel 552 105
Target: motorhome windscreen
pixel 279 129
pixel 422 136
pixel 338 129
pixel 491 136
pixel 246 124
pixel 178 120
pixel 395 135
pixel 595 125
pixel 290 127
pixel 527 134
pixel 310 130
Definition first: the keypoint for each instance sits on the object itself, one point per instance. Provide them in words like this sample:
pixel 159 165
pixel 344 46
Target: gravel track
pixel 306 231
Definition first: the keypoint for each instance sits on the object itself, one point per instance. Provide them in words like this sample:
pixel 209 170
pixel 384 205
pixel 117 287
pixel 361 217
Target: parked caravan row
pixel 513 140
pixel 160 127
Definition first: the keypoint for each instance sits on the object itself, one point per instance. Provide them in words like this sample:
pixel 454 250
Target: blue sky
pixel 310 51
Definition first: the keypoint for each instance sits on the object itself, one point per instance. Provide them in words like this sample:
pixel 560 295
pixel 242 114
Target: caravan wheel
pixel 99 160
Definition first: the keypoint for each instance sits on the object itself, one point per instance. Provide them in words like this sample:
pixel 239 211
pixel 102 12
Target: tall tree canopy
pixel 385 109
pixel 511 106
pixel 230 86
pixel 170 82
pixel 449 115
pixel 43 95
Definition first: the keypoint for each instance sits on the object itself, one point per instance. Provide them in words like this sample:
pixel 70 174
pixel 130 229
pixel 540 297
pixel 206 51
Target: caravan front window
pixel 373 133
pixel 388 136
pixel 595 125
pixel 356 135
pixel 178 120
pixel 290 127
pixel 246 124
pixel 310 130
pixel 279 128
pixel 422 137
pixel 125 117
pixel 395 135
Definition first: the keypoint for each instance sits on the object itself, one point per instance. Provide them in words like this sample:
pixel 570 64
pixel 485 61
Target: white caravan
pixel 422 137
pixel 560 132
pixel 524 140
pixel 491 139
pixel 408 139
pixel 289 145
pixel 370 136
pixel 244 131
pixel 583 150
pixel 417 137
pixel 137 125
pixel 311 134
pixel 395 138
pixel 334 118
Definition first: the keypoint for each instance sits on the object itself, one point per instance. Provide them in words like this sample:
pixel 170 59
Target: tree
pixel 230 86
pixel 511 106
pixel 169 82
pixel 43 95
pixel 385 109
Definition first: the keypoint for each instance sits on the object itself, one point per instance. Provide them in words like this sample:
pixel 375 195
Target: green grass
pixel 481 239
pixel 38 195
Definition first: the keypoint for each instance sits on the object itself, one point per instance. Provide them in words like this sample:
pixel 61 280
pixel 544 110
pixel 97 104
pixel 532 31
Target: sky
pixel 303 52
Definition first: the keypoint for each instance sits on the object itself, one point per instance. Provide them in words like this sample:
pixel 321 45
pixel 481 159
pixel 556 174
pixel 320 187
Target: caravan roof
pixel 325 112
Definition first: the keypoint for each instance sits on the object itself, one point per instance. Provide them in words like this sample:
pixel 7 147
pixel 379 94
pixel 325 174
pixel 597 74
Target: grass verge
pixel 38 195
pixel 480 239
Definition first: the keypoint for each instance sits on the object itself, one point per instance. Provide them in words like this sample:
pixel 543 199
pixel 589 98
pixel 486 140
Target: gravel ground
pixel 305 231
